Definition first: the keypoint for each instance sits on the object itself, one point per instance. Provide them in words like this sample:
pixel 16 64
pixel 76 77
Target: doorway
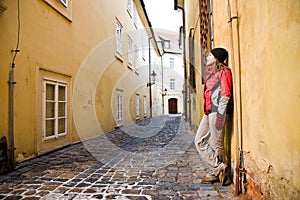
pixel 172 106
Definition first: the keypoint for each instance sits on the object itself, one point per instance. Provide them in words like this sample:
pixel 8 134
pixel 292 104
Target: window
pixel 143 48
pixel 64 2
pixel 63 7
pixel 54 108
pixel 137 106
pixel 145 105
pixel 172 83
pixel 118 38
pixel 129 6
pixel 130 52
pixel 192 76
pixel 136 59
pixel 135 15
pixel 167 44
pixel 119 105
pixel 171 62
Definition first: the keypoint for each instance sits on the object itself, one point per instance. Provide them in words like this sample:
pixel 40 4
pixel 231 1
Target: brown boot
pixel 209 179
pixel 223 174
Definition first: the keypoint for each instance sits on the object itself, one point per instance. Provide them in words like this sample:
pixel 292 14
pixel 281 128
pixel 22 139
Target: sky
pixel 162 15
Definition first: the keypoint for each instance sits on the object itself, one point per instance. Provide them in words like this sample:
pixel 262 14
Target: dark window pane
pixel 49 128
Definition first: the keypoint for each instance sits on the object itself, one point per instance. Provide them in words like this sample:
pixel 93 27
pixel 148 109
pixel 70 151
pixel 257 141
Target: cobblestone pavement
pixel 152 159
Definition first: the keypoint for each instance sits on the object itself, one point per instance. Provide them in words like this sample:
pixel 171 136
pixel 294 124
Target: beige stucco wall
pixel 269 56
pixel 265 57
pixel 196 98
pixel 77 47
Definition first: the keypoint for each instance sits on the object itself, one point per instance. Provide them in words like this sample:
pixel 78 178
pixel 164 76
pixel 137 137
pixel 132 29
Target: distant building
pixel 173 75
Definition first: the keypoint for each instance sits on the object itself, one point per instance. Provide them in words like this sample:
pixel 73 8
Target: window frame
pixel 130 53
pixel 119 106
pixel 172 83
pixel 167 44
pixel 137 106
pixel 129 7
pixel 56 101
pixel 172 62
pixel 64 3
pixel 136 59
pixel 145 106
pixel 119 46
pixel 135 16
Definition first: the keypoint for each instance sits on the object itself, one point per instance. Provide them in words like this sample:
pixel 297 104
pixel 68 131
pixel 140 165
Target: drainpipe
pixel 150 82
pixel 239 168
pixel 162 84
pixel 11 82
pixel 184 59
pixel 11 149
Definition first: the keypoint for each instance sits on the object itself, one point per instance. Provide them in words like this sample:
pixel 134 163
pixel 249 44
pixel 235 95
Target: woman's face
pixel 210 59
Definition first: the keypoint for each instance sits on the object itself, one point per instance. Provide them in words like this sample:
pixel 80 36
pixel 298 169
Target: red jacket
pixel 217 91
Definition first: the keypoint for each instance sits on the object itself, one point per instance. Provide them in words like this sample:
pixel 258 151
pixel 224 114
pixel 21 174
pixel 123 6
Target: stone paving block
pixel 48 187
pixel 42 193
pixel 31 198
pixel 18 191
pixel 13 197
pixel 61 190
pixel 150 192
pixel 30 192
pixel 131 191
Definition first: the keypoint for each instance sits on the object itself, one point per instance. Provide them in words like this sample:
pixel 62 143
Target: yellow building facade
pixel 82 70
pixel 262 38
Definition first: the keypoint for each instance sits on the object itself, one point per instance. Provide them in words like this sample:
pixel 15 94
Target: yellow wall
pixel 76 46
pixel 265 57
pixel 270 79
pixel 192 22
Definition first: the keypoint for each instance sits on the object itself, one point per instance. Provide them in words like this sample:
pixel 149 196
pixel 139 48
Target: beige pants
pixel 210 143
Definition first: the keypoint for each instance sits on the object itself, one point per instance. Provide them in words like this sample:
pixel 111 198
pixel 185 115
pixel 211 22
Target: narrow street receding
pixel 152 159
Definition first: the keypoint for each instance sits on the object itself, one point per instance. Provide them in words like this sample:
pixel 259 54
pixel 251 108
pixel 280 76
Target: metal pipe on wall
pixel 11 82
pixel 150 82
pixel 239 168
pixel 184 60
pixel 11 149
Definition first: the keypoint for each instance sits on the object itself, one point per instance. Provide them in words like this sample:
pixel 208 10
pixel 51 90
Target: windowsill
pixel 54 137
pixel 61 9
pixel 119 125
pixel 130 67
pixel 129 13
pixel 119 57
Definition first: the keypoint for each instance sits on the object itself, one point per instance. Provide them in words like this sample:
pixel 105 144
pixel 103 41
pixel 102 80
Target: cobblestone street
pixel 152 159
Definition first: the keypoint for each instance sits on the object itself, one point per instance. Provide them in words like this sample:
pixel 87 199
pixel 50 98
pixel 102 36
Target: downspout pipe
pixel 239 168
pixel 184 58
pixel 11 83
pixel 150 82
pixel 11 149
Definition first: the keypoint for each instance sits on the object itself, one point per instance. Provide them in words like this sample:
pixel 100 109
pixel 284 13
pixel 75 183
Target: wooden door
pixel 172 106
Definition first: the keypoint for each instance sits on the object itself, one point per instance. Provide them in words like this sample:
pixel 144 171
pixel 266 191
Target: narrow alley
pixel 152 159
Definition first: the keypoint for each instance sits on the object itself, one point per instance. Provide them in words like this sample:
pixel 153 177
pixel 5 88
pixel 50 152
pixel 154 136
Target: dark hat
pixel 220 54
